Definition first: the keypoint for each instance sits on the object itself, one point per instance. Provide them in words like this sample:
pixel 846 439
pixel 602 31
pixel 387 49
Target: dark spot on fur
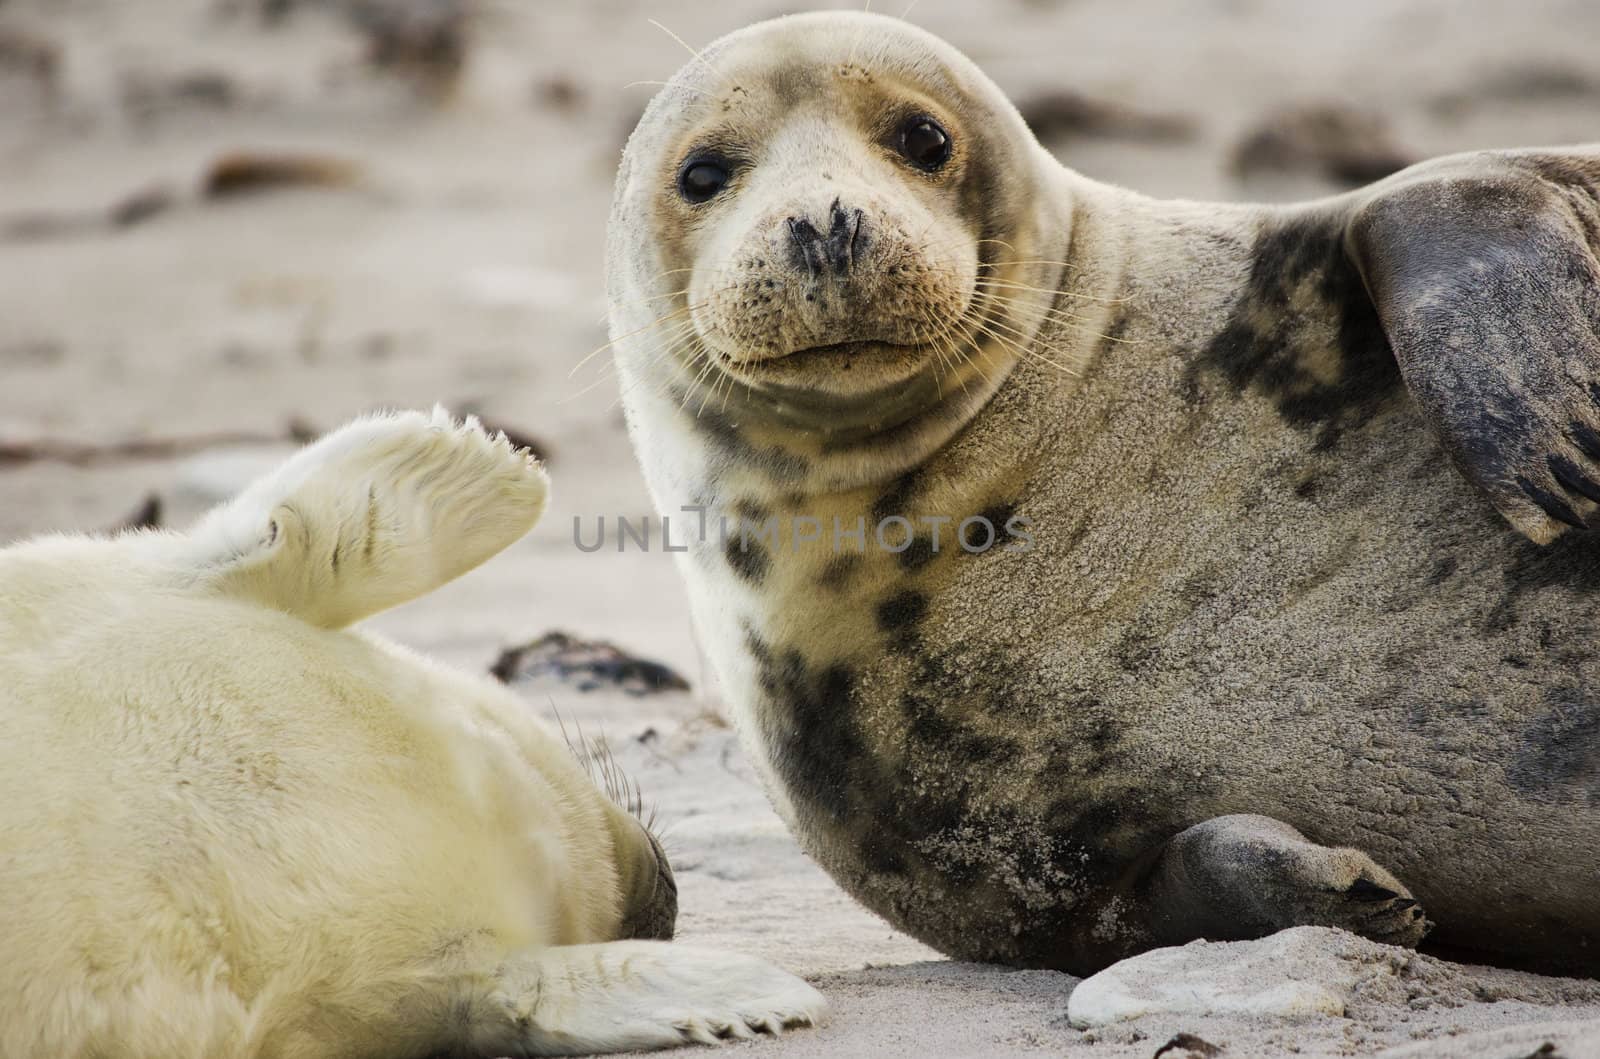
pixel 894 500
pixel 1571 561
pixel 1301 282
pixel 1442 571
pixel 922 809
pixel 902 610
pixel 1135 648
pixel 1558 758
pixel 749 512
pixel 999 514
pixel 1203 585
pixel 814 739
pixel 780 465
pixel 747 556
pixel 840 570
pixel 919 554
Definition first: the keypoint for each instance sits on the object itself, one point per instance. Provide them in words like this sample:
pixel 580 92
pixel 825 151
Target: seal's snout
pixel 849 277
pixel 816 252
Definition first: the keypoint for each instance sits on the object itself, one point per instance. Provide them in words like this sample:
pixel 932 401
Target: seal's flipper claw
pixel 1364 889
pixel 1486 277
pixel 378 512
pixel 633 995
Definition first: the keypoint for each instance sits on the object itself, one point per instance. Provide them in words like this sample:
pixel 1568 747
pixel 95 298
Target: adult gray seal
pixel 1285 614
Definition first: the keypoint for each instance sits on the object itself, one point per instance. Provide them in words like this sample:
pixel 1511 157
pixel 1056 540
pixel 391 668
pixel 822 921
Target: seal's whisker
pixel 1046 313
pixel 710 395
pixel 1026 352
pixel 1018 260
pixel 946 365
pixel 674 338
pixel 1027 260
pixel 704 301
pixel 607 372
pixel 981 352
pixel 957 336
pixel 1016 310
pixel 600 765
pixel 687 337
pixel 991 281
pixel 727 391
pixel 962 349
pixel 851 57
pixel 1028 343
pixel 696 54
pixel 604 378
pixel 1066 322
pixel 657 322
pixel 669 84
pixel 637 302
pixel 1058 316
pixel 700 382
pixel 1002 263
pixel 684 338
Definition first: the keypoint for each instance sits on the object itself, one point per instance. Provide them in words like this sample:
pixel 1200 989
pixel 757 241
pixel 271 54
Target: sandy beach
pixel 226 224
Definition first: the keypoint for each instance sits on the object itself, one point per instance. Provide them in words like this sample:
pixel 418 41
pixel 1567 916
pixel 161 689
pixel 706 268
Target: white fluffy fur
pixel 230 827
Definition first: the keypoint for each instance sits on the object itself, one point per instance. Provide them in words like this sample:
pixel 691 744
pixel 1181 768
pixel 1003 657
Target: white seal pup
pixel 1124 572
pixel 231 826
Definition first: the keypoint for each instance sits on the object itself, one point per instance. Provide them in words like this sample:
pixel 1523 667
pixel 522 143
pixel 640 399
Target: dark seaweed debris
pixel 588 664
pixel 1187 1046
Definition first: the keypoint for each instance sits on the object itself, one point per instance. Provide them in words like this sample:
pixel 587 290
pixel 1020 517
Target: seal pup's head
pixel 836 223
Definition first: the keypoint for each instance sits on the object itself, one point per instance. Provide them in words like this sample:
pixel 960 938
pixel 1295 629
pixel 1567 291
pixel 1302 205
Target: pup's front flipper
pixel 630 995
pixel 1238 877
pixel 378 512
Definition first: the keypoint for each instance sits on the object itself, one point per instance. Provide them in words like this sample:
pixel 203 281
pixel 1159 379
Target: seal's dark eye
pixel 924 143
pixel 701 178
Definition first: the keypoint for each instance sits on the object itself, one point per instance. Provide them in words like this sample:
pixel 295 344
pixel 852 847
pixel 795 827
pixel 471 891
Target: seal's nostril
pixel 837 250
pixel 855 236
pixel 807 243
pixel 843 228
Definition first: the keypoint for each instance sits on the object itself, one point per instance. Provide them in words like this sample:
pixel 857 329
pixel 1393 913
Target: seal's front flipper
pixel 633 995
pixel 1485 272
pixel 376 513
pixel 1233 878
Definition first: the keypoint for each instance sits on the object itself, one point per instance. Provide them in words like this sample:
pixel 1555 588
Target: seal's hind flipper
pixel 633 995
pixel 1239 877
pixel 1485 271
pixel 378 512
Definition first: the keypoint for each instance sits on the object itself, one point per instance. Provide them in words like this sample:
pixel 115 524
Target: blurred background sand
pixel 227 223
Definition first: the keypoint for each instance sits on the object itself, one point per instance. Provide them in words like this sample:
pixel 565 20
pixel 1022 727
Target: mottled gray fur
pixel 1274 656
